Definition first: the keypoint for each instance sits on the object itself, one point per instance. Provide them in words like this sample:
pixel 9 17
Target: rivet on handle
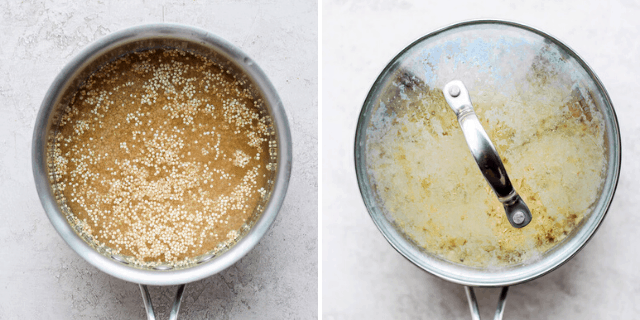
pixel 454 91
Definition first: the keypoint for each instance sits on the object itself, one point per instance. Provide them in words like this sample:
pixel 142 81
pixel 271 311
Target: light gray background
pixel 363 277
pixel 41 277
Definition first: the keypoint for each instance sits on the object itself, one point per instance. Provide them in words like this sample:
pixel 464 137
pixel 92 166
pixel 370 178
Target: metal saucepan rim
pixel 243 246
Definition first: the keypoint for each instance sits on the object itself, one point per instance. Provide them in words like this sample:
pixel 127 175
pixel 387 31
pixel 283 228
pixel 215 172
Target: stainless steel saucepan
pixel 480 56
pixel 107 49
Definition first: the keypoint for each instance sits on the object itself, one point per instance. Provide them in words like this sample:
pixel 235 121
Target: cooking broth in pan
pixel 163 155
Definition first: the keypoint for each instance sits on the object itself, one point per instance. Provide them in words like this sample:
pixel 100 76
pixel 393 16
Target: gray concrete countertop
pixel 363 277
pixel 41 277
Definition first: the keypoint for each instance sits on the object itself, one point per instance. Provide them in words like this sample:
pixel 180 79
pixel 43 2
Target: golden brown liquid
pixel 162 155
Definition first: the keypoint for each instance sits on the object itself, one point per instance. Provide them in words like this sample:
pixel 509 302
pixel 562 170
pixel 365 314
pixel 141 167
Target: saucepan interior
pixel 137 39
pixel 484 54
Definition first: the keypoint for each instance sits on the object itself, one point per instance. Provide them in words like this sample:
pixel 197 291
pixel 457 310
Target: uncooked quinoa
pixel 424 175
pixel 163 155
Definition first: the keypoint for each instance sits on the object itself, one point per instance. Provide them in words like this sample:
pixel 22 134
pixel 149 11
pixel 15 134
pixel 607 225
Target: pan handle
pixel 473 303
pixel 148 306
pixel 485 154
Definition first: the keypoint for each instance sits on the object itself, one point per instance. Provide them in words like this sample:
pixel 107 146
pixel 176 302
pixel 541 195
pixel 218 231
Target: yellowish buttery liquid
pixel 427 181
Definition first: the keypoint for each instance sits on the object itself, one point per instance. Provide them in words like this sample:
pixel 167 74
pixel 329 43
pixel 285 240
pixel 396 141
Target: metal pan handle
pixel 148 306
pixel 485 154
pixel 473 303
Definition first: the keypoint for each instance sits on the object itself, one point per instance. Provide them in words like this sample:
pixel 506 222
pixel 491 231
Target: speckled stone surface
pixel 363 276
pixel 41 277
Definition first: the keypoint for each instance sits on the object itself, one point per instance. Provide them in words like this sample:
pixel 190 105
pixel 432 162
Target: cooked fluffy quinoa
pixel 429 184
